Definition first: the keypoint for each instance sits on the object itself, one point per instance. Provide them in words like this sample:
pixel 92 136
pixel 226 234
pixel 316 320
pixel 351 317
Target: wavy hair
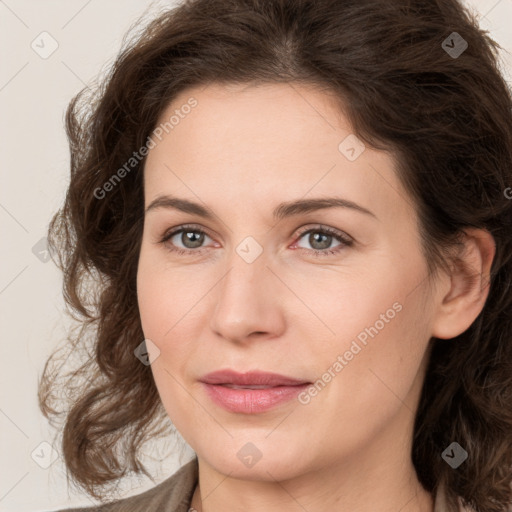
pixel 447 118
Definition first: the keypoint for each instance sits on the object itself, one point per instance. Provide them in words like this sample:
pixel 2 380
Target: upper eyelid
pixel 300 231
pixel 173 231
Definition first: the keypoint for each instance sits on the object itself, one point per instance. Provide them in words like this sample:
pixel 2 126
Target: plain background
pixel 34 91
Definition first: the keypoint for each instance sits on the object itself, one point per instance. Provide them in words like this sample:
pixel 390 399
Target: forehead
pixel 271 140
pixel 245 116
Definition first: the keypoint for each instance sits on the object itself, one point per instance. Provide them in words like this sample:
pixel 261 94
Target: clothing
pixel 175 493
pixel 172 495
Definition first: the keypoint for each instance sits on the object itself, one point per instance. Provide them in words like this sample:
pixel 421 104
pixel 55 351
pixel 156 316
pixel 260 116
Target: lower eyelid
pixel 344 240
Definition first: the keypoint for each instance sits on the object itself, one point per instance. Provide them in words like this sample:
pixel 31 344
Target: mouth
pixel 252 392
pixel 251 380
pixel 233 386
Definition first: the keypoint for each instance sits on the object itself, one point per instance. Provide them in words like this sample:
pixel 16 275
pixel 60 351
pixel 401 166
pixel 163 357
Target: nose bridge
pixel 245 302
pixel 244 283
pixel 247 264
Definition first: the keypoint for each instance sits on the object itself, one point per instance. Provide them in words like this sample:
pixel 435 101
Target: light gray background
pixel 34 93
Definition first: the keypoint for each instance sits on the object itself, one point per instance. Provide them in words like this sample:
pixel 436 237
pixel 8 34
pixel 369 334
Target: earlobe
pixel 470 283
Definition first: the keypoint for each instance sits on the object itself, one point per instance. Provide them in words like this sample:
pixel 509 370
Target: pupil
pixel 192 237
pixel 327 240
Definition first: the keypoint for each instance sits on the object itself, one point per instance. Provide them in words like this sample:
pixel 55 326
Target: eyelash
pixel 345 241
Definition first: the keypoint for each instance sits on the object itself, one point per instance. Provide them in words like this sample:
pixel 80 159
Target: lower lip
pixel 252 401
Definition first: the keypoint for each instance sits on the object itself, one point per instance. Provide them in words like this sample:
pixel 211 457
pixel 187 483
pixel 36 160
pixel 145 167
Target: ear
pixel 469 285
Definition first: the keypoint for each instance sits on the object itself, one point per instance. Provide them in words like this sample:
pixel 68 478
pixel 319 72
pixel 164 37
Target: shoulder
pixel 172 495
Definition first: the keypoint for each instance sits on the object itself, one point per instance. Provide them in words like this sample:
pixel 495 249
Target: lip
pixel 252 378
pixel 279 389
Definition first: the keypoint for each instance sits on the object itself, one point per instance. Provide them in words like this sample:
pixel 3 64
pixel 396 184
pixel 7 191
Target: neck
pixel 360 485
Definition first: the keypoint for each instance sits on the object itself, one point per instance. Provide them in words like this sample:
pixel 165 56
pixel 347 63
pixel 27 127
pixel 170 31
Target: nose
pixel 249 302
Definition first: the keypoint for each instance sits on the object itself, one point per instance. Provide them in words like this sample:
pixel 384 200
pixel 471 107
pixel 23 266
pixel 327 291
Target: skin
pixel 240 152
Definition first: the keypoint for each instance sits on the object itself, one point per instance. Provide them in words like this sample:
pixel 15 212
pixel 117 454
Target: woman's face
pixel 249 292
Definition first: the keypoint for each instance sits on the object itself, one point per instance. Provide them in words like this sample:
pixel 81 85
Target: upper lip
pixel 252 378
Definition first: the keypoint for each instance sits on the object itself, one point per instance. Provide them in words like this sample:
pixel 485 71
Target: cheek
pixel 161 292
pixel 154 299
pixel 381 360
pixel 375 333
pixel 160 309
pixel 151 305
pixel 168 306
pixel 340 305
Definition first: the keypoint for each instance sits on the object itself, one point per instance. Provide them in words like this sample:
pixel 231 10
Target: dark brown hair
pixel 446 118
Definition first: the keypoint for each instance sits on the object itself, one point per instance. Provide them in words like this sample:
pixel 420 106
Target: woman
pixel 287 235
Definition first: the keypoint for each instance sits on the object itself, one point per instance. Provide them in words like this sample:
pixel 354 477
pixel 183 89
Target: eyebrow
pixel 283 210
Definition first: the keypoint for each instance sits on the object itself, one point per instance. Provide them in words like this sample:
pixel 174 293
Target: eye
pixel 321 238
pixel 192 239
pixel 190 236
